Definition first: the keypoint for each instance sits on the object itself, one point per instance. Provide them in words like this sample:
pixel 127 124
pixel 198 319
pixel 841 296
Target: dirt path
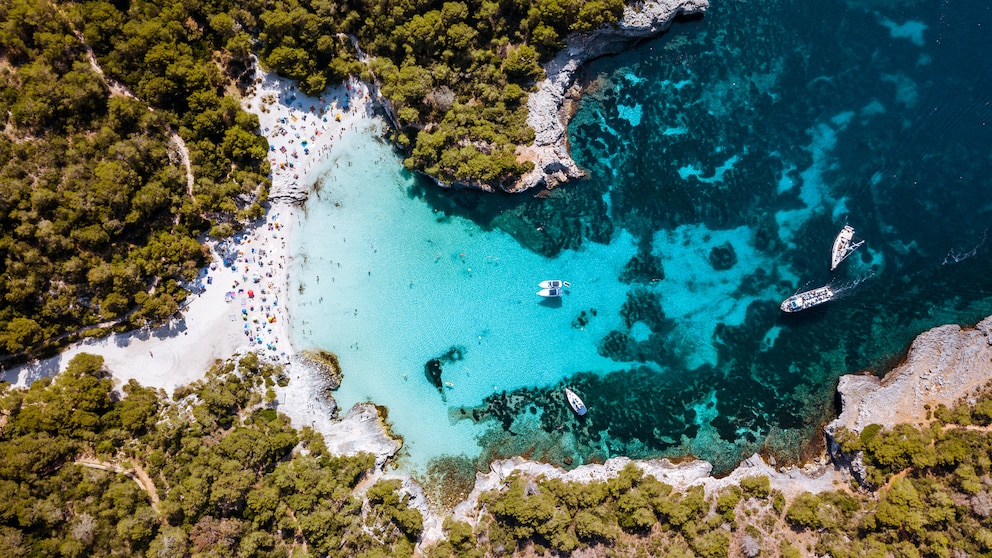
pixel 137 473
pixel 117 89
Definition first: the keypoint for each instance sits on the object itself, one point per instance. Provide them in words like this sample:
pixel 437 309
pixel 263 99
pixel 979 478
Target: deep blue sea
pixel 723 157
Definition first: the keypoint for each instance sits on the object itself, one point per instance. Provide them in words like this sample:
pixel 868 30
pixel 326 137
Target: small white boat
pixel 575 402
pixel 843 247
pixel 553 284
pixel 807 299
pixel 550 293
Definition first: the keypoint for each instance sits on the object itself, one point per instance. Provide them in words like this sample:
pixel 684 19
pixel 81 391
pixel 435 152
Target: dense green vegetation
pixel 458 73
pixel 97 220
pixel 215 473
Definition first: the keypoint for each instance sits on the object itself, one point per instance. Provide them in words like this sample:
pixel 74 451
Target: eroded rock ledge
pixel 553 164
pixel 945 365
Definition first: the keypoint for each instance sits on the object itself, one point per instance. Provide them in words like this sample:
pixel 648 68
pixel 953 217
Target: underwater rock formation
pixel 433 372
pixel 553 164
pixel 723 257
pixel 434 366
pixel 643 268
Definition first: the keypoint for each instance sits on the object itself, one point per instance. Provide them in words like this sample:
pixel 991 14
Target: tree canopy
pixel 105 104
pixel 98 223
pixel 85 472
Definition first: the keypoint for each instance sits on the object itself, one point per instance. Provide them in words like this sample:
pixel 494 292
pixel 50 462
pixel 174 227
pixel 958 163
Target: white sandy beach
pixel 239 306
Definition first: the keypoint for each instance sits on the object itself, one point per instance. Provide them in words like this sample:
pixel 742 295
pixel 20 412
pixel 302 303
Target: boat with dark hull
pixel 807 299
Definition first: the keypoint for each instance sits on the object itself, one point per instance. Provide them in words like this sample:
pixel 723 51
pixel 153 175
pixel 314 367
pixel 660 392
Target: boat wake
pixel 844 288
pixel 955 256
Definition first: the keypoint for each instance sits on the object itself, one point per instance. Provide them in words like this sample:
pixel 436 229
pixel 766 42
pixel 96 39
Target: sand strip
pixel 239 299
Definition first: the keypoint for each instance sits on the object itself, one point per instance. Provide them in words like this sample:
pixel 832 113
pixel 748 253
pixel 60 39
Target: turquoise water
pixel 722 158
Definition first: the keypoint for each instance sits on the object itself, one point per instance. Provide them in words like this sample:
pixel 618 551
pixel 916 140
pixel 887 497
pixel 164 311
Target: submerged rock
pixel 723 257
pixel 433 372
pixel 434 366
pixel 643 268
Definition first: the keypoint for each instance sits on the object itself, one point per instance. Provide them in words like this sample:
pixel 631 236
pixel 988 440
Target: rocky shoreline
pixel 944 365
pixel 549 114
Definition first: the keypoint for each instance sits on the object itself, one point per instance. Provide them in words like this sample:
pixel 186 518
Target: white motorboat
pixel 550 293
pixel 575 402
pixel 553 284
pixel 843 246
pixel 807 299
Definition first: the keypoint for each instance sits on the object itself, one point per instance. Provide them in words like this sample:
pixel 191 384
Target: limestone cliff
pixel 944 365
pixel 549 116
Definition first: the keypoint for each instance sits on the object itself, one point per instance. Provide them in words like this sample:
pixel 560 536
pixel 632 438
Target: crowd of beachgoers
pixel 239 300
pixel 301 129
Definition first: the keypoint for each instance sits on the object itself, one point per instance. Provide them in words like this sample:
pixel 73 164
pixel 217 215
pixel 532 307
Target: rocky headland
pixel 549 110
pixel 945 365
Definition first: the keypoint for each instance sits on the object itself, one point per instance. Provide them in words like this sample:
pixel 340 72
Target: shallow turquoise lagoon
pixel 722 159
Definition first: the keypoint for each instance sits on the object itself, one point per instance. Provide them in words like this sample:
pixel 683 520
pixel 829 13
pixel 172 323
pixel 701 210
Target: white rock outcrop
pixel 815 477
pixel 362 430
pixel 945 365
pixel 549 116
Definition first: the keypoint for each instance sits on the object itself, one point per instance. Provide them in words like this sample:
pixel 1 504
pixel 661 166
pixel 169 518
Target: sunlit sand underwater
pixel 723 158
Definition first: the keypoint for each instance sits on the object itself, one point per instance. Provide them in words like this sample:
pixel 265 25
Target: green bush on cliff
pixel 756 486
pixel 457 74
pixel 892 451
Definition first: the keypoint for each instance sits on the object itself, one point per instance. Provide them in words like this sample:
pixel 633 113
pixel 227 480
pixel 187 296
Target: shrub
pixel 869 432
pixel 634 512
pixel 727 501
pixel 804 511
pixel 894 451
pixel 786 550
pixel 522 514
pixel 756 486
pixel 714 544
pixel 778 501
pixel 590 527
